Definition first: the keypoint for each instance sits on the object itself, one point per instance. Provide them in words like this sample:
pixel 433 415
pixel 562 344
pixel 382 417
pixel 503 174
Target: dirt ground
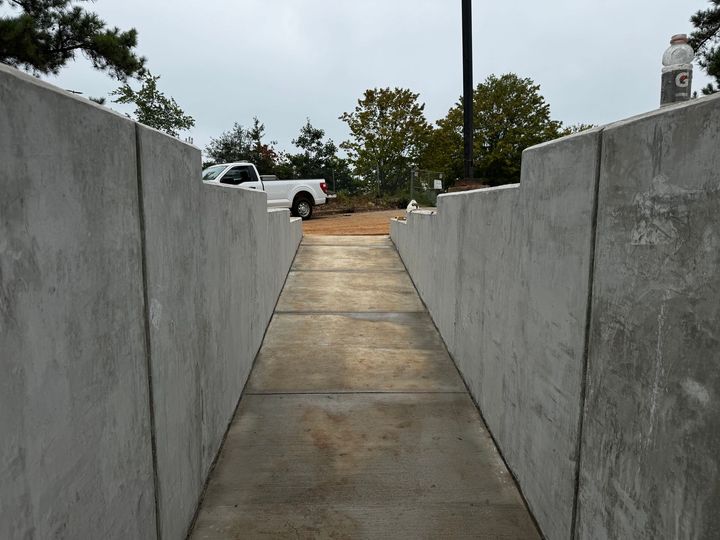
pixel 349 224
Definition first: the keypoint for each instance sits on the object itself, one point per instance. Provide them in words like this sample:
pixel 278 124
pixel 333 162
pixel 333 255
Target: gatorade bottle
pixel 677 71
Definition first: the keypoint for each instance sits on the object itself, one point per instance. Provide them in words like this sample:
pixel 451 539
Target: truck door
pixel 277 193
pixel 242 175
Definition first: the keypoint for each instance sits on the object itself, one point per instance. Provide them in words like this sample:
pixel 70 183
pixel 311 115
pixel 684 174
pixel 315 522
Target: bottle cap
pixel 678 38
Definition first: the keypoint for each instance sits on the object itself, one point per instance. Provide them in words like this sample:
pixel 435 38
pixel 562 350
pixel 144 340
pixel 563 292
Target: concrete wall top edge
pixel 159 132
pixel 595 130
pixel 480 190
pixel 11 71
pixel 243 190
pixel 699 102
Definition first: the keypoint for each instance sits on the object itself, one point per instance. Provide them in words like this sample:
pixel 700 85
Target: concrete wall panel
pixel 178 323
pixel 517 267
pixel 504 273
pixel 109 242
pixel 651 445
pixel 75 454
pixel 216 261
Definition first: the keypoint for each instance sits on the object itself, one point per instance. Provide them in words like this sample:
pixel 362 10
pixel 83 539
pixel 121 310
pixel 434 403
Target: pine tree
pixel 41 36
pixel 706 40
pixel 153 108
pixel 241 144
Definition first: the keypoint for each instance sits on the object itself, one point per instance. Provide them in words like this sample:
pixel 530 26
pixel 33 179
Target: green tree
pixel 509 115
pixel 153 108
pixel 576 128
pixel 232 145
pixel 241 144
pixel 316 154
pixel 388 133
pixel 41 36
pixel 706 40
pixel 318 159
pixel 445 151
pixel 263 155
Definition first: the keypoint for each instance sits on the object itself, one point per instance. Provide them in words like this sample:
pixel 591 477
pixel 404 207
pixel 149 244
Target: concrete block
pixel 651 435
pixel 75 453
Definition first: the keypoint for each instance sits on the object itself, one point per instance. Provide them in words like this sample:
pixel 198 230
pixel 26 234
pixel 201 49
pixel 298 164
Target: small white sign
pixel 438 184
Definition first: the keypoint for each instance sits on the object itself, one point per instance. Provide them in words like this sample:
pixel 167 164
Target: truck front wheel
pixel 302 207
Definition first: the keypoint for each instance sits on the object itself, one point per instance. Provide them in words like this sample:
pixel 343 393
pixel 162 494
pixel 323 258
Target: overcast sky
pixel 285 60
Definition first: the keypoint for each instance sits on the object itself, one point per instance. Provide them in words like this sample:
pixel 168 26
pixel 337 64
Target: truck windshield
pixel 211 173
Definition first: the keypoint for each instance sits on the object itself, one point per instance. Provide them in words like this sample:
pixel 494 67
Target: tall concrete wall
pixel 512 280
pixel 651 437
pixel 133 301
pixel 75 453
pixel 504 273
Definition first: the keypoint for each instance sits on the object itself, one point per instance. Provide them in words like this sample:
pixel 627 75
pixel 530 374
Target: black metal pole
pixel 467 86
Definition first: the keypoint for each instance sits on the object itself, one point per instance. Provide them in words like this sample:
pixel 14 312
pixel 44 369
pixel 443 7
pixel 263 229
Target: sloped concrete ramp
pixel 355 423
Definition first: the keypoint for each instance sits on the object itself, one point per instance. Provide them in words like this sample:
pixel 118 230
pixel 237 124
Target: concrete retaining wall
pixel 651 437
pixel 133 300
pixel 504 273
pixel 508 275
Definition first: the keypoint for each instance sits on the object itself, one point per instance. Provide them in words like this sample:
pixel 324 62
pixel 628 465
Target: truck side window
pixel 232 176
pixel 252 175
pixel 239 175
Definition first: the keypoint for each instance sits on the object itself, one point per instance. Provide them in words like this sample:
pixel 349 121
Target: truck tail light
pixel 323 186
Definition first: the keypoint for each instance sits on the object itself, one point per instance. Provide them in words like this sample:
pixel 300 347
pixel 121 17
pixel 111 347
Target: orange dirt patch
pixel 361 223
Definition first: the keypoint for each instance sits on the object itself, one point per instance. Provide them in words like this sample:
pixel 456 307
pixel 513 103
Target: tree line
pixel 390 137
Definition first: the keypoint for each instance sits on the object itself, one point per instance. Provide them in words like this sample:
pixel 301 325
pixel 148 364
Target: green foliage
pixel 509 115
pixel 153 108
pixel 576 128
pixel 46 34
pixel 316 154
pixel 241 144
pixel 706 42
pixel 318 159
pixel 445 151
pixel 388 133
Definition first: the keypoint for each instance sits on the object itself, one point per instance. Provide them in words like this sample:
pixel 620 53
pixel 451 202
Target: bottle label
pixel 676 86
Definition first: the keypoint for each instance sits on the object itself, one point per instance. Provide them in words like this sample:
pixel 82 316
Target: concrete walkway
pixel 355 423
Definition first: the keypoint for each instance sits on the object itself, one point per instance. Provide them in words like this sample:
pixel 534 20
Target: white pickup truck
pixel 298 195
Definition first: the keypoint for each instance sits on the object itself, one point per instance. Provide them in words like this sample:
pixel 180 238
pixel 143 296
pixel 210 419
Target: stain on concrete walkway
pixel 355 423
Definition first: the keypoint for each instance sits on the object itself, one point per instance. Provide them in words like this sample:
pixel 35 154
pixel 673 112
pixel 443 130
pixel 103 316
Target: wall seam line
pixel 586 338
pixel 146 315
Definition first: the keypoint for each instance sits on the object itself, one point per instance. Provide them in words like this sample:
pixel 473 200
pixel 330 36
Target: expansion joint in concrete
pixel 148 349
pixel 322 271
pixel 291 312
pixel 586 346
pixel 355 392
